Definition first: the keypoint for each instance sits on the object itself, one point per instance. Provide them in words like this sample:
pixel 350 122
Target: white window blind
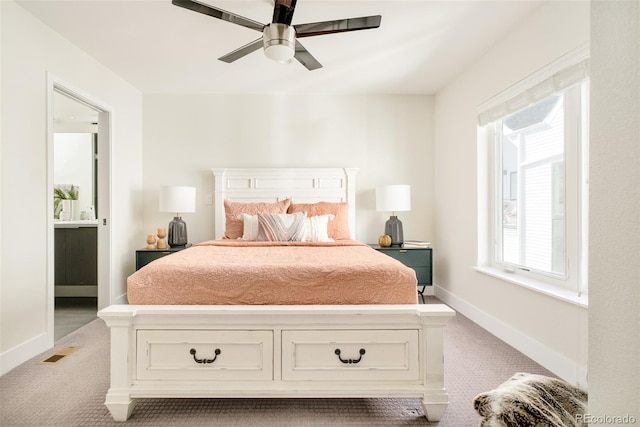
pixel 547 81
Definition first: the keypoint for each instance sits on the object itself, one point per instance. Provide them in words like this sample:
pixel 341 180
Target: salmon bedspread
pixel 274 273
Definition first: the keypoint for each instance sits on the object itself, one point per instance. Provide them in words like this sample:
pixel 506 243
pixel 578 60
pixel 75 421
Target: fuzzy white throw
pixel 529 400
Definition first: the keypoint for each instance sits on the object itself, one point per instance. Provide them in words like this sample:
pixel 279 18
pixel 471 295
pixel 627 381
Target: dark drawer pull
pixel 205 361
pixel 350 361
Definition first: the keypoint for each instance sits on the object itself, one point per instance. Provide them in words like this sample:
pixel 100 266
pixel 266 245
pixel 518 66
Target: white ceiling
pixel 162 48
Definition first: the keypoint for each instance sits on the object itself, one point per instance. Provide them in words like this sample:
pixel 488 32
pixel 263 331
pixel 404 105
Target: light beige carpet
pixel 71 392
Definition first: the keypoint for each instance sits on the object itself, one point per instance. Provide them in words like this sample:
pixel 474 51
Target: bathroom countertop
pixel 75 224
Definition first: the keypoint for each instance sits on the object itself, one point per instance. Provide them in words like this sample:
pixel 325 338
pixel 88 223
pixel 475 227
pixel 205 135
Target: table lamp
pixel 394 198
pixel 179 200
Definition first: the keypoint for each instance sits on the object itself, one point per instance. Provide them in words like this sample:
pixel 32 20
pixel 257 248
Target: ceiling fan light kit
pixel 279 38
pixel 279 42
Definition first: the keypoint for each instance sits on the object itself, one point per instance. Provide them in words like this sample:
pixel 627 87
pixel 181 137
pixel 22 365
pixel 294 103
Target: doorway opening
pixel 78 182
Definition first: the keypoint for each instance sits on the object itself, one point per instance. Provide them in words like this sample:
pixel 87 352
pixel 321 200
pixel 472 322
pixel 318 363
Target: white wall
pixel 614 312
pixel 29 51
pixel 390 138
pixel 550 331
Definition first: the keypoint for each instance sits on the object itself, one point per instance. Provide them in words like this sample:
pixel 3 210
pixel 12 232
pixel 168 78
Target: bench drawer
pixel 376 355
pixel 204 355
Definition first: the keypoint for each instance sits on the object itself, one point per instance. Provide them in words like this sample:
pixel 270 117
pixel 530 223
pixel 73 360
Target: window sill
pixel 562 294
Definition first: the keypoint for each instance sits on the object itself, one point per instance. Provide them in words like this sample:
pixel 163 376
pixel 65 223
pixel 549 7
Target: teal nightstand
pixel 419 259
pixel 145 256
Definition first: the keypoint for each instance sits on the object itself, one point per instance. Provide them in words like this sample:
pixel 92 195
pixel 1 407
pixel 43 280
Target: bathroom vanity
pixel 76 258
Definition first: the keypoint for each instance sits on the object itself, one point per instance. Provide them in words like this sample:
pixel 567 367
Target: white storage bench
pixel 239 351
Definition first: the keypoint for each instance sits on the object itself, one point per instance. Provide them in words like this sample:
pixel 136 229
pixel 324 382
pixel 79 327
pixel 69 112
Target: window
pixel 536 149
pixel 531 216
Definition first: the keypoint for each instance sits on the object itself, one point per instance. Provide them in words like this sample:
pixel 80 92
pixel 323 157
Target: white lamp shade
pixel 393 198
pixel 177 199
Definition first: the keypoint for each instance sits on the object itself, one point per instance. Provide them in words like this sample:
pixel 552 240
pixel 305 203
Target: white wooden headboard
pixel 302 185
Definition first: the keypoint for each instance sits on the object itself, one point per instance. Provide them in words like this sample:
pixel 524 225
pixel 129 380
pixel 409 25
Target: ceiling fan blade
pixel 196 6
pixel 337 26
pixel 283 11
pixel 244 50
pixel 305 58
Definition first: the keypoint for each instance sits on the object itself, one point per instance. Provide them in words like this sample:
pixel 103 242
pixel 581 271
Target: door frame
pixel 103 214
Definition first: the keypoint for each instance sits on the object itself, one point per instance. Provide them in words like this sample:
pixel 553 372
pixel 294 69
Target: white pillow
pixel 317 228
pixel 249 226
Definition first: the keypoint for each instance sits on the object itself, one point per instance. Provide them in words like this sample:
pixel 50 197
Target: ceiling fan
pixel 279 38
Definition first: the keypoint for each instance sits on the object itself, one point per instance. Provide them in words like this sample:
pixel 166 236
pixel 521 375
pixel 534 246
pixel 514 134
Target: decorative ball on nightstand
pixel 384 241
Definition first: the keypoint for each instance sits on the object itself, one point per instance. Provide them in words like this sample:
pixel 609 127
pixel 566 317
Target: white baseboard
pixel 18 355
pixel 555 362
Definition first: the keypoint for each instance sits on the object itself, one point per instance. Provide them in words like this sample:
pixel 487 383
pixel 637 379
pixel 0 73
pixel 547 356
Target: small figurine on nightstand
pixel 151 241
pixel 162 241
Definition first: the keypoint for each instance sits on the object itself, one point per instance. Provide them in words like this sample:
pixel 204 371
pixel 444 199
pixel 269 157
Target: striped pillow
pixel 281 227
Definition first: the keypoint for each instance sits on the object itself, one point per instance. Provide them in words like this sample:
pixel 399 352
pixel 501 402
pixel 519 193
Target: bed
pixel 239 316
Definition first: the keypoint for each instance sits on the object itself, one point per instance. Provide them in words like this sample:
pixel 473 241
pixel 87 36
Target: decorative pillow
pixel 233 211
pixel 338 228
pixel 249 226
pixel 281 227
pixel 317 228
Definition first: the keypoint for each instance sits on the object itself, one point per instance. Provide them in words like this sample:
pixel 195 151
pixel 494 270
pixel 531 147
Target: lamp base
pixel 177 233
pixel 393 228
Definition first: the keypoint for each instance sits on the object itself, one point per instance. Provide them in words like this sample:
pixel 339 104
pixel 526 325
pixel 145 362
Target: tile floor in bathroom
pixel 72 313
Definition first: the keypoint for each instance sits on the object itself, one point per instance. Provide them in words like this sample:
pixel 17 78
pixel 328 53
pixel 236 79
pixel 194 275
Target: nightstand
pixel 419 259
pixel 145 256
